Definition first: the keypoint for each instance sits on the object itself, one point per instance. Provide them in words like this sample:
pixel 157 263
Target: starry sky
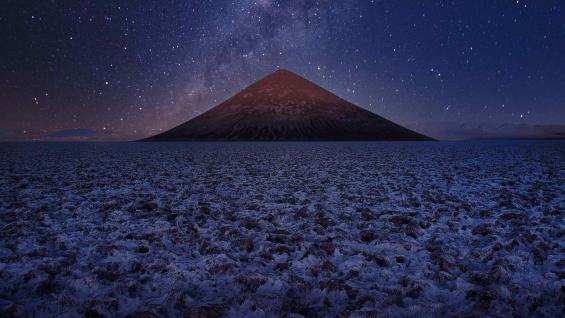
pixel 120 70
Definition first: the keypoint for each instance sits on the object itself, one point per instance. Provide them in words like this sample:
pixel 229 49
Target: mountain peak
pixel 284 87
pixel 283 75
pixel 282 71
pixel 286 106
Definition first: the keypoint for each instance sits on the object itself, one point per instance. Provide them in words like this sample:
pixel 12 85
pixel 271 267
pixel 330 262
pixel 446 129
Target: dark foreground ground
pixel 283 229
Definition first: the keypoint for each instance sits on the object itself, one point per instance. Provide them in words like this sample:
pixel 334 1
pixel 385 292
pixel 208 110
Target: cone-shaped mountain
pixel 285 106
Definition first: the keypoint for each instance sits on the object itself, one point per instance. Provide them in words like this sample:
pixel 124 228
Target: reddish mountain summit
pixel 285 106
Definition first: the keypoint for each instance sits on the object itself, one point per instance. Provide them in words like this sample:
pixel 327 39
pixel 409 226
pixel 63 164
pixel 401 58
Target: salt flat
pixel 282 229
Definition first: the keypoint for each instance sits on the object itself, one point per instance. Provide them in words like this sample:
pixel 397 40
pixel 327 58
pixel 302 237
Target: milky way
pixel 133 68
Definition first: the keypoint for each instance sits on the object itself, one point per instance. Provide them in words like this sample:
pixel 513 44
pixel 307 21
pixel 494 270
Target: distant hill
pixel 285 106
pixel 483 130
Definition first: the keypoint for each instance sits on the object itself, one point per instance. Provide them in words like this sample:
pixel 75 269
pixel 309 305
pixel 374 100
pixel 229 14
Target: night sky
pixel 128 69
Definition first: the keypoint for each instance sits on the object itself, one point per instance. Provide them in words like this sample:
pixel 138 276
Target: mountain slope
pixel 285 106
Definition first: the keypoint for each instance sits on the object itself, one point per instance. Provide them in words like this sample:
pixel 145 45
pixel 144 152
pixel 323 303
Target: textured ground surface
pixel 282 229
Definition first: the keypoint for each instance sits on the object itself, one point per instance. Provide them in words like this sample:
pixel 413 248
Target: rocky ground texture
pixel 283 229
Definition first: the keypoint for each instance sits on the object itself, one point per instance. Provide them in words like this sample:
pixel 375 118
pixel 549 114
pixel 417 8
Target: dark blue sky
pixel 133 68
